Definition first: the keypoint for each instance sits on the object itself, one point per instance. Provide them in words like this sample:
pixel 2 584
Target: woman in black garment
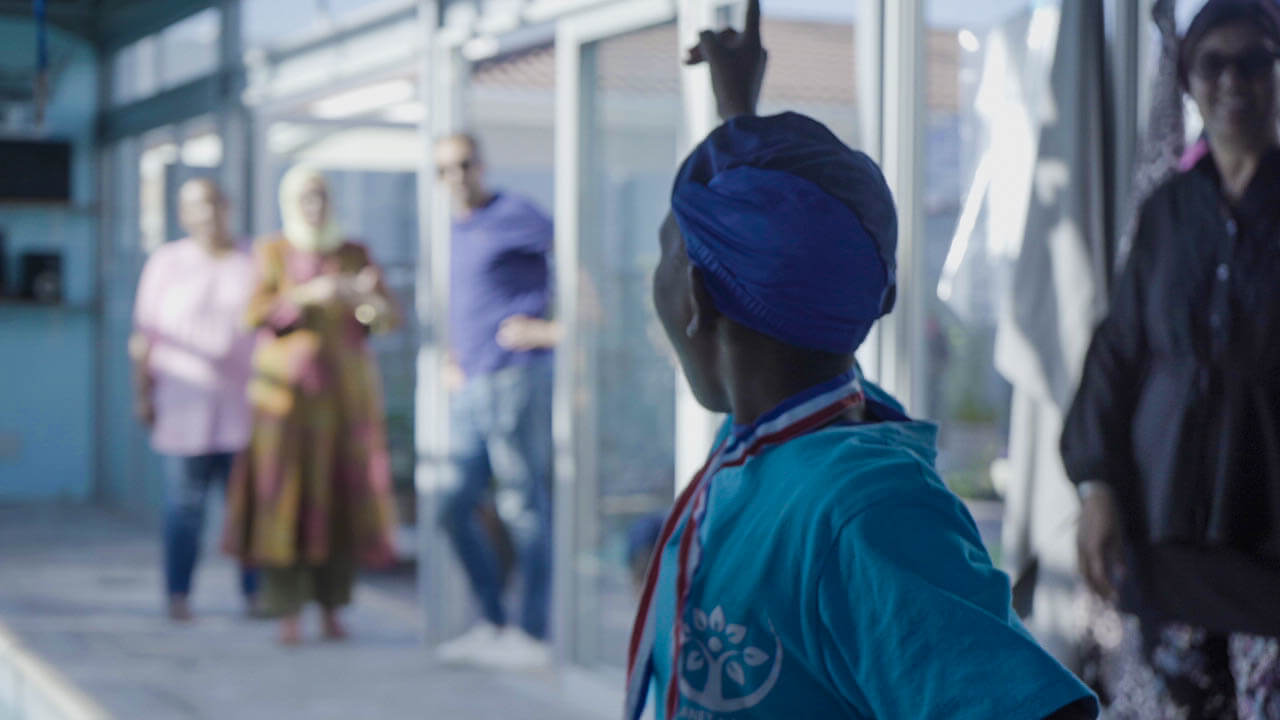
pixel 1174 435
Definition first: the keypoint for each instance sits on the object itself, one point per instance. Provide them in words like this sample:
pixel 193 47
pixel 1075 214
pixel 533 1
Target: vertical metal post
pixel 439 85
pixel 901 334
pixel 695 427
pixel 868 45
pixel 1147 43
pixel 1128 19
pixel 570 124
pixel 106 173
pixel 233 122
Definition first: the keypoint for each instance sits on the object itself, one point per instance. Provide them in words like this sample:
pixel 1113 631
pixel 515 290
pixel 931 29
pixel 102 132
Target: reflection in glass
pixel 812 68
pixel 159 155
pixel 987 79
pixel 624 381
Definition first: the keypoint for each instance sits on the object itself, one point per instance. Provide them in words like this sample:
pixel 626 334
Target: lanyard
pixel 805 413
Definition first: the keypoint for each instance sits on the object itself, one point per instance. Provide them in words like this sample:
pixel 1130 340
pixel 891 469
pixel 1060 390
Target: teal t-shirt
pixel 841 579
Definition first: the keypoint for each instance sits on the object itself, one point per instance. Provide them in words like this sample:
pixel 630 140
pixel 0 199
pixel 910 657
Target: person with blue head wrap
pixel 794 231
pixel 816 566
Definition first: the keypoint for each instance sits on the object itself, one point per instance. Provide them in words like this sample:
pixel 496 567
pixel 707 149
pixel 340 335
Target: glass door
pixel 619 129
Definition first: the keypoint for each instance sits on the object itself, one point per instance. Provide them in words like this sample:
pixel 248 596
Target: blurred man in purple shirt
pixel 191 350
pixel 500 342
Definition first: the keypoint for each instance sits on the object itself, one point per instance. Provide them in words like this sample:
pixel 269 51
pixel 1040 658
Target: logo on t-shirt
pixel 721 668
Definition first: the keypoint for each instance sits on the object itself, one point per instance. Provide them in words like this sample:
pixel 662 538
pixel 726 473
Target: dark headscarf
pixel 795 232
pixel 1263 14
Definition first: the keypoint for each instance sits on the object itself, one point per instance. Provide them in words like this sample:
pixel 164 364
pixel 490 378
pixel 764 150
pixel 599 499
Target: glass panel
pixel 271 23
pixel 170 157
pixel 277 23
pixel 178 54
pixel 361 58
pixel 139 213
pixel 202 150
pixel 135 71
pixel 124 446
pixel 987 70
pixel 811 64
pixel 189 48
pixel 625 379
pixel 155 164
pixel 349 11
pixel 514 117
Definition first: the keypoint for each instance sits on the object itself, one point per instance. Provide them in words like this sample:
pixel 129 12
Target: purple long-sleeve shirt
pixel 500 268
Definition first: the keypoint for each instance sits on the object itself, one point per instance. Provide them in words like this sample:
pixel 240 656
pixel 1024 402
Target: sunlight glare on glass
pixel 410 113
pixel 969 41
pixel 202 151
pixel 1044 28
pixel 363 100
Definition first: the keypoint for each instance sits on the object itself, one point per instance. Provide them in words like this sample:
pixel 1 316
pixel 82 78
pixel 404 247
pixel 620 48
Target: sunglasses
pixel 464 166
pixel 1249 65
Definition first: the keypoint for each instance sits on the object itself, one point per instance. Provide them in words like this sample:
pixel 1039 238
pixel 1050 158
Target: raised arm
pixel 737 61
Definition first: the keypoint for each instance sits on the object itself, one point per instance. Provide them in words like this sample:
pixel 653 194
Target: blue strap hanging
pixel 42 60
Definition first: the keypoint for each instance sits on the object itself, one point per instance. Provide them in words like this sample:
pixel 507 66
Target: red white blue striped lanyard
pixel 809 411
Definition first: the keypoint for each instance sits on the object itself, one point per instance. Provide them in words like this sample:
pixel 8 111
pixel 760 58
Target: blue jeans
pixel 501 430
pixel 187 483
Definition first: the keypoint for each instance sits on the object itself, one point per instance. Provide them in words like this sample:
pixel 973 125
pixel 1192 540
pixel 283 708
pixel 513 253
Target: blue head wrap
pixel 795 233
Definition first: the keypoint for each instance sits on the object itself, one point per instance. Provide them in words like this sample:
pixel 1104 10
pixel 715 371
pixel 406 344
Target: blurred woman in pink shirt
pixel 191 351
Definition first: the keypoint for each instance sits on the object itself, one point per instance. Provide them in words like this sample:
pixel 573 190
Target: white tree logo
pixel 721 650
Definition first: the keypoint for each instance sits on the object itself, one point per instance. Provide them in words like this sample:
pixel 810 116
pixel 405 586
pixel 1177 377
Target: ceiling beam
pixel 110 24
pixel 73 16
pixel 119 22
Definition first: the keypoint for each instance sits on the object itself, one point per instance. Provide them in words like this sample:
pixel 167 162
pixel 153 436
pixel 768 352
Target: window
pixel 185 51
pixel 135 71
pixel 189 48
pixel 274 23
pixel 623 378
pixel 987 67
pixel 266 23
pixel 160 153
pixel 811 64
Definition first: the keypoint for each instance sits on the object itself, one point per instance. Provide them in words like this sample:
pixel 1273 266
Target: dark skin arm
pixel 737 61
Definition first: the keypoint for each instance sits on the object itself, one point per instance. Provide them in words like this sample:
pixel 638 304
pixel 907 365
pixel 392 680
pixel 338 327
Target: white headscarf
pixel 297 230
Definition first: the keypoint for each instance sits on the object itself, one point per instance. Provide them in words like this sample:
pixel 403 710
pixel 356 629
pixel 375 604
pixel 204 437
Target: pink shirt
pixel 191 306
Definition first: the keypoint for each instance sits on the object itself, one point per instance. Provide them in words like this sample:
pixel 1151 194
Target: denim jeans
pixel 501 430
pixel 187 483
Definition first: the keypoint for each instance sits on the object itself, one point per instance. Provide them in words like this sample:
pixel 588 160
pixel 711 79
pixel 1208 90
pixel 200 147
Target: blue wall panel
pixel 47 354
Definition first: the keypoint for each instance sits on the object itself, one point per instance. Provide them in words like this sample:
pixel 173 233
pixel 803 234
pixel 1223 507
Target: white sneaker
pixel 471 645
pixel 517 650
